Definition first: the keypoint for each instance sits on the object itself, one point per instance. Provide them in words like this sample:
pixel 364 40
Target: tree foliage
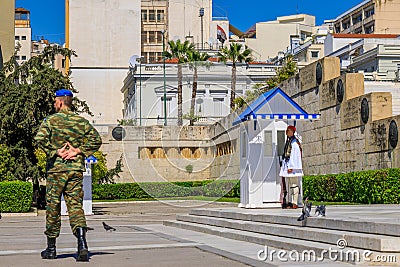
pixel 100 173
pixel 7 163
pixel 179 51
pixel 235 54
pixel 196 60
pixel 287 70
pixel 26 98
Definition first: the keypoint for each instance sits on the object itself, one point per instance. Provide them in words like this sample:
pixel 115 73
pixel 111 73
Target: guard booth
pixel 262 140
pixel 87 189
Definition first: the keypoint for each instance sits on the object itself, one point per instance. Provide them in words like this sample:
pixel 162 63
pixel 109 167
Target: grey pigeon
pixel 306 211
pixel 108 228
pixel 320 209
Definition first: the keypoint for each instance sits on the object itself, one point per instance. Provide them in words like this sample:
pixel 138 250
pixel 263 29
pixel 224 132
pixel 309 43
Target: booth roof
pixel 256 105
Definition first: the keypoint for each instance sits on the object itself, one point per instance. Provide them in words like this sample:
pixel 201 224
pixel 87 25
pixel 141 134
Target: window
pixel 218 103
pixel 357 18
pixel 160 15
pixel 314 54
pixel 369 29
pixel 152 37
pixel 369 13
pixel 23 57
pixel 152 15
pixel 144 15
pixel 17 57
pixel 16 38
pixel 159 37
pixel 152 57
pixel 159 57
pixel 63 63
pixel 144 37
pixel 346 24
pixel 168 104
pixel 23 37
pixel 268 147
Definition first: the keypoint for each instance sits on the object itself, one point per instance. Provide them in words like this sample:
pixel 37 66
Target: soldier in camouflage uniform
pixel 67 139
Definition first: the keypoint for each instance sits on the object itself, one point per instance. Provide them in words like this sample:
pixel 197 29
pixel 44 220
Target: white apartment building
pixel 23 34
pixel 143 91
pixel 105 34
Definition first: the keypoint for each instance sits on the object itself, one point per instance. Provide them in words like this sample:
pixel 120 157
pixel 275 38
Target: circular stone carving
pixel 118 133
pixel 318 73
pixel 340 91
pixel 393 134
pixel 364 110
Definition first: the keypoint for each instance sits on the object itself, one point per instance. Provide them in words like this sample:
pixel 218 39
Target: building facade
pixel 7 29
pixel 172 20
pixel 109 37
pixel 351 48
pixel 23 34
pixel 37 48
pixel 143 91
pixel 370 16
pixel 272 37
pixel 115 31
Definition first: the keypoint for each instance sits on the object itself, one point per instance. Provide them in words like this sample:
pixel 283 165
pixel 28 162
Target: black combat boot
pixel 83 251
pixel 50 251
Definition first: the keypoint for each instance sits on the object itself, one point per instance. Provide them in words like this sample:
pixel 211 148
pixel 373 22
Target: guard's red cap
pixel 291 127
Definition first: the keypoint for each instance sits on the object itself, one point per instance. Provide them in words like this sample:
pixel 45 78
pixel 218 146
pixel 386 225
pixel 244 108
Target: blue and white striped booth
pixel 87 189
pixel 262 138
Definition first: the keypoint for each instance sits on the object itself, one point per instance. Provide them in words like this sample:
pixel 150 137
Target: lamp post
pixel 201 15
pixel 140 92
pixel 165 89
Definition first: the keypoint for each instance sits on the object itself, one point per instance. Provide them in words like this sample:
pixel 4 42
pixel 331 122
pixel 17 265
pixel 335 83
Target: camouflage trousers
pixel 70 185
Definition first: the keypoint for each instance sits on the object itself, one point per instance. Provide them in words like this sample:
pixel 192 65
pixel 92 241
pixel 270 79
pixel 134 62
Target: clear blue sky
pixel 48 16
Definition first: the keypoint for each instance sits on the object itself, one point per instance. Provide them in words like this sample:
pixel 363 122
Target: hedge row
pixel 227 188
pixel 366 187
pixel 15 196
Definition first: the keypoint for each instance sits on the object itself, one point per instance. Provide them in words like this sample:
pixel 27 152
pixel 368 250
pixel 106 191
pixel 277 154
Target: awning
pixel 274 104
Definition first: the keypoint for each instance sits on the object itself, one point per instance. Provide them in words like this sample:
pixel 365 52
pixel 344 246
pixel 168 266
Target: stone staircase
pixel 280 229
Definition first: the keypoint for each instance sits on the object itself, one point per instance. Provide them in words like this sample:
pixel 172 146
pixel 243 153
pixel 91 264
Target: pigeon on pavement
pixel 108 227
pixel 320 209
pixel 306 211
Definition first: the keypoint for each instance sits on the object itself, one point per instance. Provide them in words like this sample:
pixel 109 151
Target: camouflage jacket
pixel 66 126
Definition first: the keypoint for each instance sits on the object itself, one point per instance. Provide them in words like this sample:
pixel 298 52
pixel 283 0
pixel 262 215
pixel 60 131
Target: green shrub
pixel 15 196
pixel 366 187
pixel 166 189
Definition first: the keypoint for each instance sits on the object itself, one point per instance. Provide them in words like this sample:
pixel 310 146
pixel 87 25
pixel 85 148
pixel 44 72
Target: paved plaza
pixel 140 238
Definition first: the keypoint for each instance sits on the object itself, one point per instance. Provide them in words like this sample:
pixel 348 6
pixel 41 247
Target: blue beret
pixel 63 92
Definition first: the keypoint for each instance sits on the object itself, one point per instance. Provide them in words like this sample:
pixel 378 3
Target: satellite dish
pixel 133 61
pixel 176 38
pixel 199 101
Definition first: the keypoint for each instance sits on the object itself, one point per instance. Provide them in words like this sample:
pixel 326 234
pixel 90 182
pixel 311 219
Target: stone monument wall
pixel 353 132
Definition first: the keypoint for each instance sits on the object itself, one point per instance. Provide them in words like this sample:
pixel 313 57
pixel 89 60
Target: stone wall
pixel 172 153
pixel 353 131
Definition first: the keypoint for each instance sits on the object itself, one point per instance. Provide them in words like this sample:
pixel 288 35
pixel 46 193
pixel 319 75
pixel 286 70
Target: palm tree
pixel 234 54
pixel 179 51
pixel 195 60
